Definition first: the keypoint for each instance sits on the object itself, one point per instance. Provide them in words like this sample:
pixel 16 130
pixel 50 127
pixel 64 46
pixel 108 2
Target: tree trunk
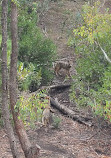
pixel 5 110
pixel 29 151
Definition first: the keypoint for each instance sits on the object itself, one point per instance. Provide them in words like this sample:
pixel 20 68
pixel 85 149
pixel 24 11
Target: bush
pixel 56 121
pixel 28 78
pixel 31 107
pixel 92 83
pixel 33 46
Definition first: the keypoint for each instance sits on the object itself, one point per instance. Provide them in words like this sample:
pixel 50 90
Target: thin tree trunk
pixel 29 150
pixel 5 110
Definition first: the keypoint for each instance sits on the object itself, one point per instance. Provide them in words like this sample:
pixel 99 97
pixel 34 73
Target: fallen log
pixel 56 87
pixel 52 88
pixel 70 113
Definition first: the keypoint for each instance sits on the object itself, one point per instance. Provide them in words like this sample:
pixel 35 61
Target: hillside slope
pixel 71 139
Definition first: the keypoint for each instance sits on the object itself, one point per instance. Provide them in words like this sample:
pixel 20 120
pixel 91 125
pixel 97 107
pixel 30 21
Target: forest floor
pixel 71 139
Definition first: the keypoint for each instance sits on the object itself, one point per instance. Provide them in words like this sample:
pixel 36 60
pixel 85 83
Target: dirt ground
pixel 71 139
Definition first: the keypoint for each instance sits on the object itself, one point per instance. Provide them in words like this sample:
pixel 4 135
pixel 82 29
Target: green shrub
pixel 33 46
pixel 92 83
pixel 56 121
pixel 30 107
pixel 28 78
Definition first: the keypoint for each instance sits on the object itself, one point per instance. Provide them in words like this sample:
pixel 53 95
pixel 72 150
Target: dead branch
pixel 70 113
pixel 62 86
pixel 107 58
pixel 56 87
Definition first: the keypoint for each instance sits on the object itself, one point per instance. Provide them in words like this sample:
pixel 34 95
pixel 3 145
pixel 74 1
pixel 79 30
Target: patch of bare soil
pixel 4 145
pixel 71 139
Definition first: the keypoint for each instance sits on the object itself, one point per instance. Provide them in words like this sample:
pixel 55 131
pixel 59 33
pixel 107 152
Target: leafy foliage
pixel 56 121
pixel 92 83
pixel 28 78
pixel 31 107
pixel 33 47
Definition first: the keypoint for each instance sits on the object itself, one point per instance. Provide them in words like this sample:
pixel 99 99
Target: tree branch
pixel 70 113
pixel 107 58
